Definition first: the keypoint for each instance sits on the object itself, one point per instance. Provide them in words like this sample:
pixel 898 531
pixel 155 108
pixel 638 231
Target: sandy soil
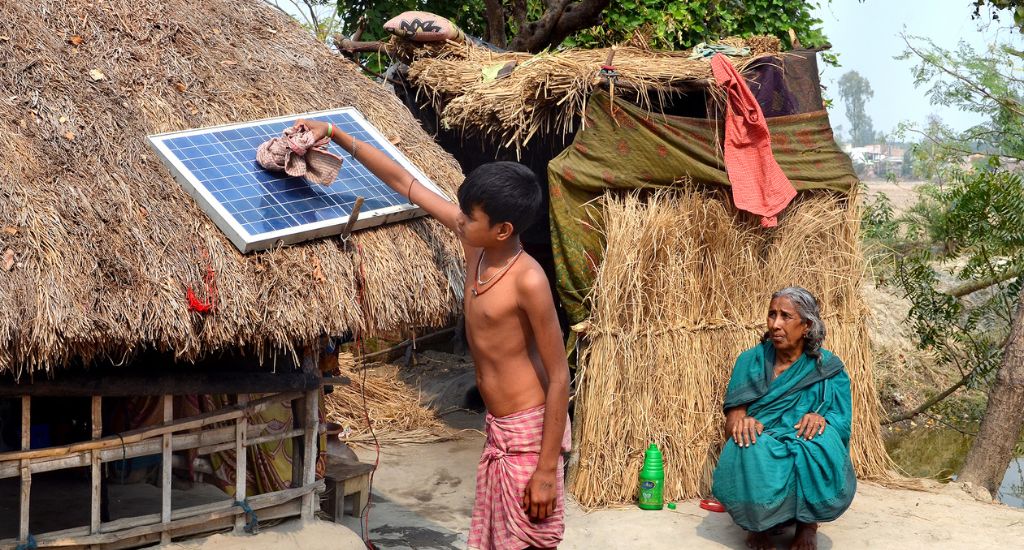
pixel 423 496
pixel 902 194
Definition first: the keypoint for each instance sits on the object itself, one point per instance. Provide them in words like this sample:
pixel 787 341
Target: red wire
pixel 361 351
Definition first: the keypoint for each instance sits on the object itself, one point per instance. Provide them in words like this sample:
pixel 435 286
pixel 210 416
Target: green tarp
pixel 638 149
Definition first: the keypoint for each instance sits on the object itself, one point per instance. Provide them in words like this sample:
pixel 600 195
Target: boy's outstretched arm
pixel 535 299
pixel 390 172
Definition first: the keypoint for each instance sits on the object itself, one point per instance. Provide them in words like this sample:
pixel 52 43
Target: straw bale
pixel 682 290
pixel 394 408
pixel 106 242
pixel 547 92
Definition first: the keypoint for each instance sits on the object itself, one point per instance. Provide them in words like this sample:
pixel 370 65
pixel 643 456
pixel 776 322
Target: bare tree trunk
pixel 1000 429
pixel 495 23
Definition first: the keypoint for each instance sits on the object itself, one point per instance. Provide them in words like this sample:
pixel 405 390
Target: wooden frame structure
pixel 206 433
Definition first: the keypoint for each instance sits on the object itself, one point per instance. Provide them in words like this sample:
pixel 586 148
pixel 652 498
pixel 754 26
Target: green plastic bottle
pixel 652 480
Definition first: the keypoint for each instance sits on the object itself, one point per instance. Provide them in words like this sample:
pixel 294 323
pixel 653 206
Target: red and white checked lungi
pixel 508 462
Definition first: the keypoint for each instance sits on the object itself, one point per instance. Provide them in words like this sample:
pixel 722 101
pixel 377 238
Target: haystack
pixel 682 291
pixel 547 93
pixel 664 290
pixel 102 243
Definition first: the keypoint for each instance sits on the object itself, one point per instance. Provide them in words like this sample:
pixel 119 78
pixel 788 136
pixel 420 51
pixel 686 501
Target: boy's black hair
pixel 505 191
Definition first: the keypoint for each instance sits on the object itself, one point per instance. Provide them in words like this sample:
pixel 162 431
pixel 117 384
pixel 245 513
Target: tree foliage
pixel 993 7
pixel 670 24
pixel 855 91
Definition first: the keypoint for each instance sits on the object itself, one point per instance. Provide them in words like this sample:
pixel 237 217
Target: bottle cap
pixel 671 506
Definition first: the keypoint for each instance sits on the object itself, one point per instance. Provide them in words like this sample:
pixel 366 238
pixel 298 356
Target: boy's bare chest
pixel 489 309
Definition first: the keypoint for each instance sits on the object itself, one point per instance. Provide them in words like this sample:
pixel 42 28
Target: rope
pixel 29 544
pixel 252 525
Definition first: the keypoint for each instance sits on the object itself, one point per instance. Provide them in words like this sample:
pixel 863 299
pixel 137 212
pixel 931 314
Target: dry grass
pixel 547 92
pixel 682 290
pixel 105 241
pixel 393 407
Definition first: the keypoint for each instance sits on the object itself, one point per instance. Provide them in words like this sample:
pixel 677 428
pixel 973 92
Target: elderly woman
pixel 787 415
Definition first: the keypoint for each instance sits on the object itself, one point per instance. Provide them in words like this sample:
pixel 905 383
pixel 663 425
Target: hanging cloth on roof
pixel 705 50
pixel 297 154
pixel 758 184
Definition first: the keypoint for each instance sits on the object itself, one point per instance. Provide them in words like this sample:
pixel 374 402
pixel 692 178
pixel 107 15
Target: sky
pixel 867 37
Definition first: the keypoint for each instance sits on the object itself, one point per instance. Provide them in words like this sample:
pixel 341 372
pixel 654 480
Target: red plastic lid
pixel 712 505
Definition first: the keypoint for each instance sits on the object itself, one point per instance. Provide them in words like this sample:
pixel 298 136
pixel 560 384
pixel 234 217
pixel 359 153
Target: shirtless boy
pixel 515 340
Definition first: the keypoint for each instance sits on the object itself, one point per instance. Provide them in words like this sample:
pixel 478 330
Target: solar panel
pixel 258 209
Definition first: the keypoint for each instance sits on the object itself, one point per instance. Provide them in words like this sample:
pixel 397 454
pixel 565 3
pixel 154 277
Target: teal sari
pixel 782 477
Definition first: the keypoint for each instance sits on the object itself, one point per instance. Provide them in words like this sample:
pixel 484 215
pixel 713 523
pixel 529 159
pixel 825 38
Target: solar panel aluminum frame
pixel 245 241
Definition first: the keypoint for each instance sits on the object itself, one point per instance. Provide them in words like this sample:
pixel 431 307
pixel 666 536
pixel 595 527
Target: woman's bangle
pixel 330 130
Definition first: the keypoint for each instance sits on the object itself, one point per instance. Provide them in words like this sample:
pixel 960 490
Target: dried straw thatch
pixel 682 290
pixel 393 408
pixel 548 92
pixel 101 239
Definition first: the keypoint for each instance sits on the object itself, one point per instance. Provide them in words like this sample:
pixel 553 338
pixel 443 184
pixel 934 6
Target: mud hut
pixel 662 280
pixel 99 247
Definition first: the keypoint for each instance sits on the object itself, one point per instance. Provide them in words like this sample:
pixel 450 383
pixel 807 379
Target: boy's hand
pixel 318 128
pixel 540 495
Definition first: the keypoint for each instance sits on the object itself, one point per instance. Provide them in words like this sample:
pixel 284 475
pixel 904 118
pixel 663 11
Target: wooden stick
pixel 202 515
pixel 206 442
pixel 26 473
pixel 223 415
pixel 165 476
pixel 241 426
pixel 95 516
pixel 346 45
pixel 311 424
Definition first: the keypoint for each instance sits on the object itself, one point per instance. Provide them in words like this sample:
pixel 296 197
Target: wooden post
pixel 165 477
pixel 26 473
pixel 311 423
pixel 95 517
pixel 241 427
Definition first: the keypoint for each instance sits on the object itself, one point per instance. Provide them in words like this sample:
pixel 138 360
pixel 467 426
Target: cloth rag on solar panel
pixel 258 209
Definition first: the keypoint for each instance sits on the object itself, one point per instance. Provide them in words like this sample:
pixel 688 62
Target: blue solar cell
pixel 221 162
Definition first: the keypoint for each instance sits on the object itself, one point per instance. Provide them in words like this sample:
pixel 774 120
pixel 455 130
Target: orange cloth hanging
pixel 758 184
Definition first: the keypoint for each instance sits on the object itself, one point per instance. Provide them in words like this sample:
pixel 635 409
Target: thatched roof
pixel 547 92
pixel 102 242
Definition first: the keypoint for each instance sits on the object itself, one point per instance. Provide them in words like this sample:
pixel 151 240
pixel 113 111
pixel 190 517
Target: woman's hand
pixel 741 428
pixel 810 425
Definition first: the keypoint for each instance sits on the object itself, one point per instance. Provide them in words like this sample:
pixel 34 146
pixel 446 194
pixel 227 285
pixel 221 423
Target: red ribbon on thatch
pixel 200 306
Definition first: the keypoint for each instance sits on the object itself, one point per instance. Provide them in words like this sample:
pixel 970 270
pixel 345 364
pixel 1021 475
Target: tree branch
pixel 495 23
pixel 980 284
pixel 561 19
pixel 931 402
pixel 519 14
pixel 1006 103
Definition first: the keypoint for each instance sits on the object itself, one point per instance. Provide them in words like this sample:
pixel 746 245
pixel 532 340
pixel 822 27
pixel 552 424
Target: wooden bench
pixel 346 482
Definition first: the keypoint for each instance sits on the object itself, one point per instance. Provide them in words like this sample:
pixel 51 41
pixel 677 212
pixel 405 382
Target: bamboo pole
pixel 205 442
pixel 240 462
pixel 26 473
pixel 165 476
pixel 223 415
pixel 96 504
pixel 312 427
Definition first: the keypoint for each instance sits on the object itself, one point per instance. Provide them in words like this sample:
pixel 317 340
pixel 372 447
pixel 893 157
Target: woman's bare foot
pixel 806 537
pixel 760 540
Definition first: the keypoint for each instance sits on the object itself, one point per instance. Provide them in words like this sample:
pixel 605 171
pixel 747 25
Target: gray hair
pixel 807 308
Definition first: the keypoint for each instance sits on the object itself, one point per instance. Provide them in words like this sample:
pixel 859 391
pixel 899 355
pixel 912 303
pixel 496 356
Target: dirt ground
pixel 423 496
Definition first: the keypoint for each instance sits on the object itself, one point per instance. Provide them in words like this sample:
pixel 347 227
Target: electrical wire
pixel 360 351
